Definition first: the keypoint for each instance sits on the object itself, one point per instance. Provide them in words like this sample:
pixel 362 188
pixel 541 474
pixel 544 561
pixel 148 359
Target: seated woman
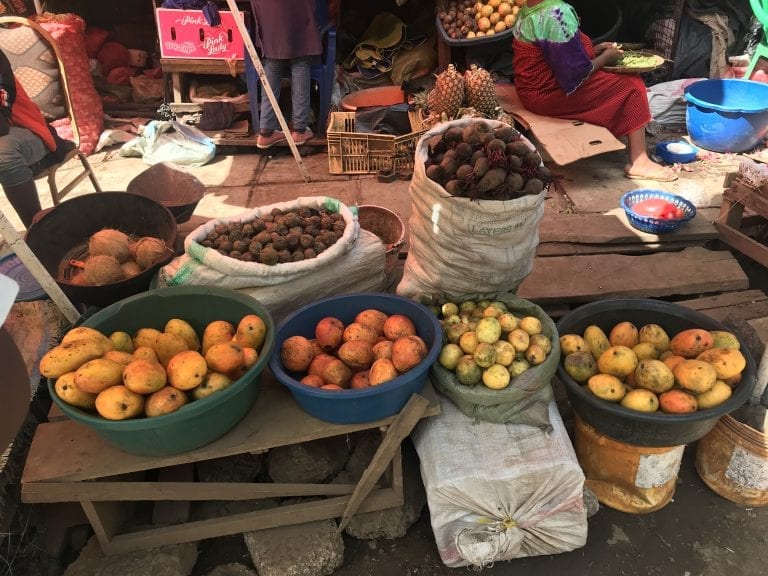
pixel 558 73
pixel 26 140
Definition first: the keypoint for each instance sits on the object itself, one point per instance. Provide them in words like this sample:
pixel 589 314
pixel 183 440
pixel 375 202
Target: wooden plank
pixel 398 431
pixel 587 278
pixel 246 522
pixel 68 451
pixel 200 66
pixel 173 511
pixel 575 249
pixel 614 228
pixel 726 299
pixel 743 243
pixel 44 492
pixel 106 518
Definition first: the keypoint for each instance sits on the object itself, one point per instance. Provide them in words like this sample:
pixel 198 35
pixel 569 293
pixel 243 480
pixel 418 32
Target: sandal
pixel 663 175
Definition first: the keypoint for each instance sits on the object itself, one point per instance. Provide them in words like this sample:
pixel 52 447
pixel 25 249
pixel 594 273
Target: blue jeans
pixel 19 149
pixel 300 92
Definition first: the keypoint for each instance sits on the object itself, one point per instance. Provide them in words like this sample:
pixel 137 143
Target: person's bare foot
pixel 646 169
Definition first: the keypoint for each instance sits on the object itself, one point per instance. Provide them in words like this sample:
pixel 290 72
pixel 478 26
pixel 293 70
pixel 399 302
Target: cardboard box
pixel 186 34
pixel 558 140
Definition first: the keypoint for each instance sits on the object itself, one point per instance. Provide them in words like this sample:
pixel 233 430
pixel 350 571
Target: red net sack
pixel 69 32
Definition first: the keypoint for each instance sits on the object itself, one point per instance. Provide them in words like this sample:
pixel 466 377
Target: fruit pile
pixel 152 372
pixel 279 236
pixel 467 19
pixel 114 256
pixel 373 349
pixel 453 92
pixel 482 163
pixel 658 208
pixel 646 370
pixel 487 343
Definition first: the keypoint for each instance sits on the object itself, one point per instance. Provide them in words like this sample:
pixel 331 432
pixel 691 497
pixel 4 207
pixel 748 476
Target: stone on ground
pixel 175 560
pixel 234 569
pixel 238 468
pixel 364 446
pixel 309 462
pixel 392 522
pixel 310 549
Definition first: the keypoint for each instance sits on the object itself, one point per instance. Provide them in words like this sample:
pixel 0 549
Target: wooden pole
pixel 37 270
pixel 265 85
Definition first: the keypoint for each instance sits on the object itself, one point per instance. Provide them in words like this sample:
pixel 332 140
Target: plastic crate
pixel 351 152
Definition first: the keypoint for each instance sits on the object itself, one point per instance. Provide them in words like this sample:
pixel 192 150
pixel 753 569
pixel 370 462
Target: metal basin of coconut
pixel 114 240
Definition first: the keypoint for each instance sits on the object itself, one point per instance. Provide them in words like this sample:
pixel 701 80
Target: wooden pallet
pixel 69 462
pixel 736 199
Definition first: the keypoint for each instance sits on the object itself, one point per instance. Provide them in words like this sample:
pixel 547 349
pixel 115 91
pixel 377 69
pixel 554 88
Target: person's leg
pixel 640 166
pixel 19 149
pixel 300 98
pixel 269 127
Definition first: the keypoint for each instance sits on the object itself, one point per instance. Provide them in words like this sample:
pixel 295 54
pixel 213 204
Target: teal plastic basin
pixel 197 423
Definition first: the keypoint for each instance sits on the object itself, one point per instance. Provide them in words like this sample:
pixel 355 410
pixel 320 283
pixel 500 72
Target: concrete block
pixel 238 468
pixel 309 462
pixel 392 522
pixel 234 569
pixel 364 446
pixel 175 560
pixel 310 549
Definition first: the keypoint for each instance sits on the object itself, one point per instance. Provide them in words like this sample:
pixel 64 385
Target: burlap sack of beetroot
pixel 525 400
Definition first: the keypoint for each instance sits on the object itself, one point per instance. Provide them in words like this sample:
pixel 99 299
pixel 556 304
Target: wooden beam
pixel 42 492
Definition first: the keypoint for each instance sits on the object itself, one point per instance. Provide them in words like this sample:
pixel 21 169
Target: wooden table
pixel 69 462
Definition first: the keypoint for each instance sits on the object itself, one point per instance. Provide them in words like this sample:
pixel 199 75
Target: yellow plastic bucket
pixel 633 479
pixel 732 459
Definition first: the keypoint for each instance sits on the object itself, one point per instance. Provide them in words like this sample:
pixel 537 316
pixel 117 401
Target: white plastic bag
pixel 666 100
pixel 459 246
pixel 170 141
pixel 500 491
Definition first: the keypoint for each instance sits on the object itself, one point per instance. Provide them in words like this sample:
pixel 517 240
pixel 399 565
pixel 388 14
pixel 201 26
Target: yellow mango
pixel 606 387
pixel 580 366
pixel 617 360
pixel 596 340
pixel 641 400
pixel 88 333
pixel 692 342
pixel 69 357
pixel 623 334
pixel 654 334
pixel 695 376
pixel 719 393
pixel 724 339
pixel 98 374
pixel 645 350
pixel 728 362
pixel 184 329
pixel 570 343
pixel 654 375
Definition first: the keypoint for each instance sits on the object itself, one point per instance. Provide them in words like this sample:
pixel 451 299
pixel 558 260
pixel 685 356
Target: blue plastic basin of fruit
pixel 196 423
pixel 727 115
pixel 367 404
pixel 655 225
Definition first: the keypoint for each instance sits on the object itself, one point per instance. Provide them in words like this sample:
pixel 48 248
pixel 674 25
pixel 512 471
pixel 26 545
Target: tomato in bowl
pixel 656 211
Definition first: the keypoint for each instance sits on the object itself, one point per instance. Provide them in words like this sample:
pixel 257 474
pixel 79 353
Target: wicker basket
pixel 350 152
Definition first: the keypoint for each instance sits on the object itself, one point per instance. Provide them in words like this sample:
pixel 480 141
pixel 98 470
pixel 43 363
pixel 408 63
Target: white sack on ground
pixel 207 266
pixel 361 269
pixel 459 246
pixel 500 491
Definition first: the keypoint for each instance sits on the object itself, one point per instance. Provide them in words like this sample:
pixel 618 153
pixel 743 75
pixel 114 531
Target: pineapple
pixel 481 92
pixel 448 94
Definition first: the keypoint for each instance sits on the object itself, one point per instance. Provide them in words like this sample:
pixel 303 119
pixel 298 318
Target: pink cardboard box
pixel 186 34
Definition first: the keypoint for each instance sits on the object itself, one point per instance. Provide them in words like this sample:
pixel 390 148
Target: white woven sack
pixel 459 246
pixel 362 269
pixel 206 266
pixel 500 491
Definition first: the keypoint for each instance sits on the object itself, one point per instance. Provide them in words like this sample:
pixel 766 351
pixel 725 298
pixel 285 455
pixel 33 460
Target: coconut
pixel 102 269
pixel 110 242
pixel 130 268
pixel 149 249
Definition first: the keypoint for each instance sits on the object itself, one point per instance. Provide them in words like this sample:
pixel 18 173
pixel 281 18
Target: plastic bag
pixel 526 398
pixel 171 141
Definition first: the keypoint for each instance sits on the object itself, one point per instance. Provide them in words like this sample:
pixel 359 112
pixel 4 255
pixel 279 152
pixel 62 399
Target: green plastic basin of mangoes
pixel 197 423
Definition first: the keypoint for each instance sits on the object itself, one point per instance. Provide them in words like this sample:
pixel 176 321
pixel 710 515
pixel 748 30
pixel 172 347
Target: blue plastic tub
pixel 367 404
pixel 727 115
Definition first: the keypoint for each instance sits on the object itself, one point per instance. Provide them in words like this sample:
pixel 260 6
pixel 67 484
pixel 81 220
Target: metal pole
pixel 37 270
pixel 267 88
